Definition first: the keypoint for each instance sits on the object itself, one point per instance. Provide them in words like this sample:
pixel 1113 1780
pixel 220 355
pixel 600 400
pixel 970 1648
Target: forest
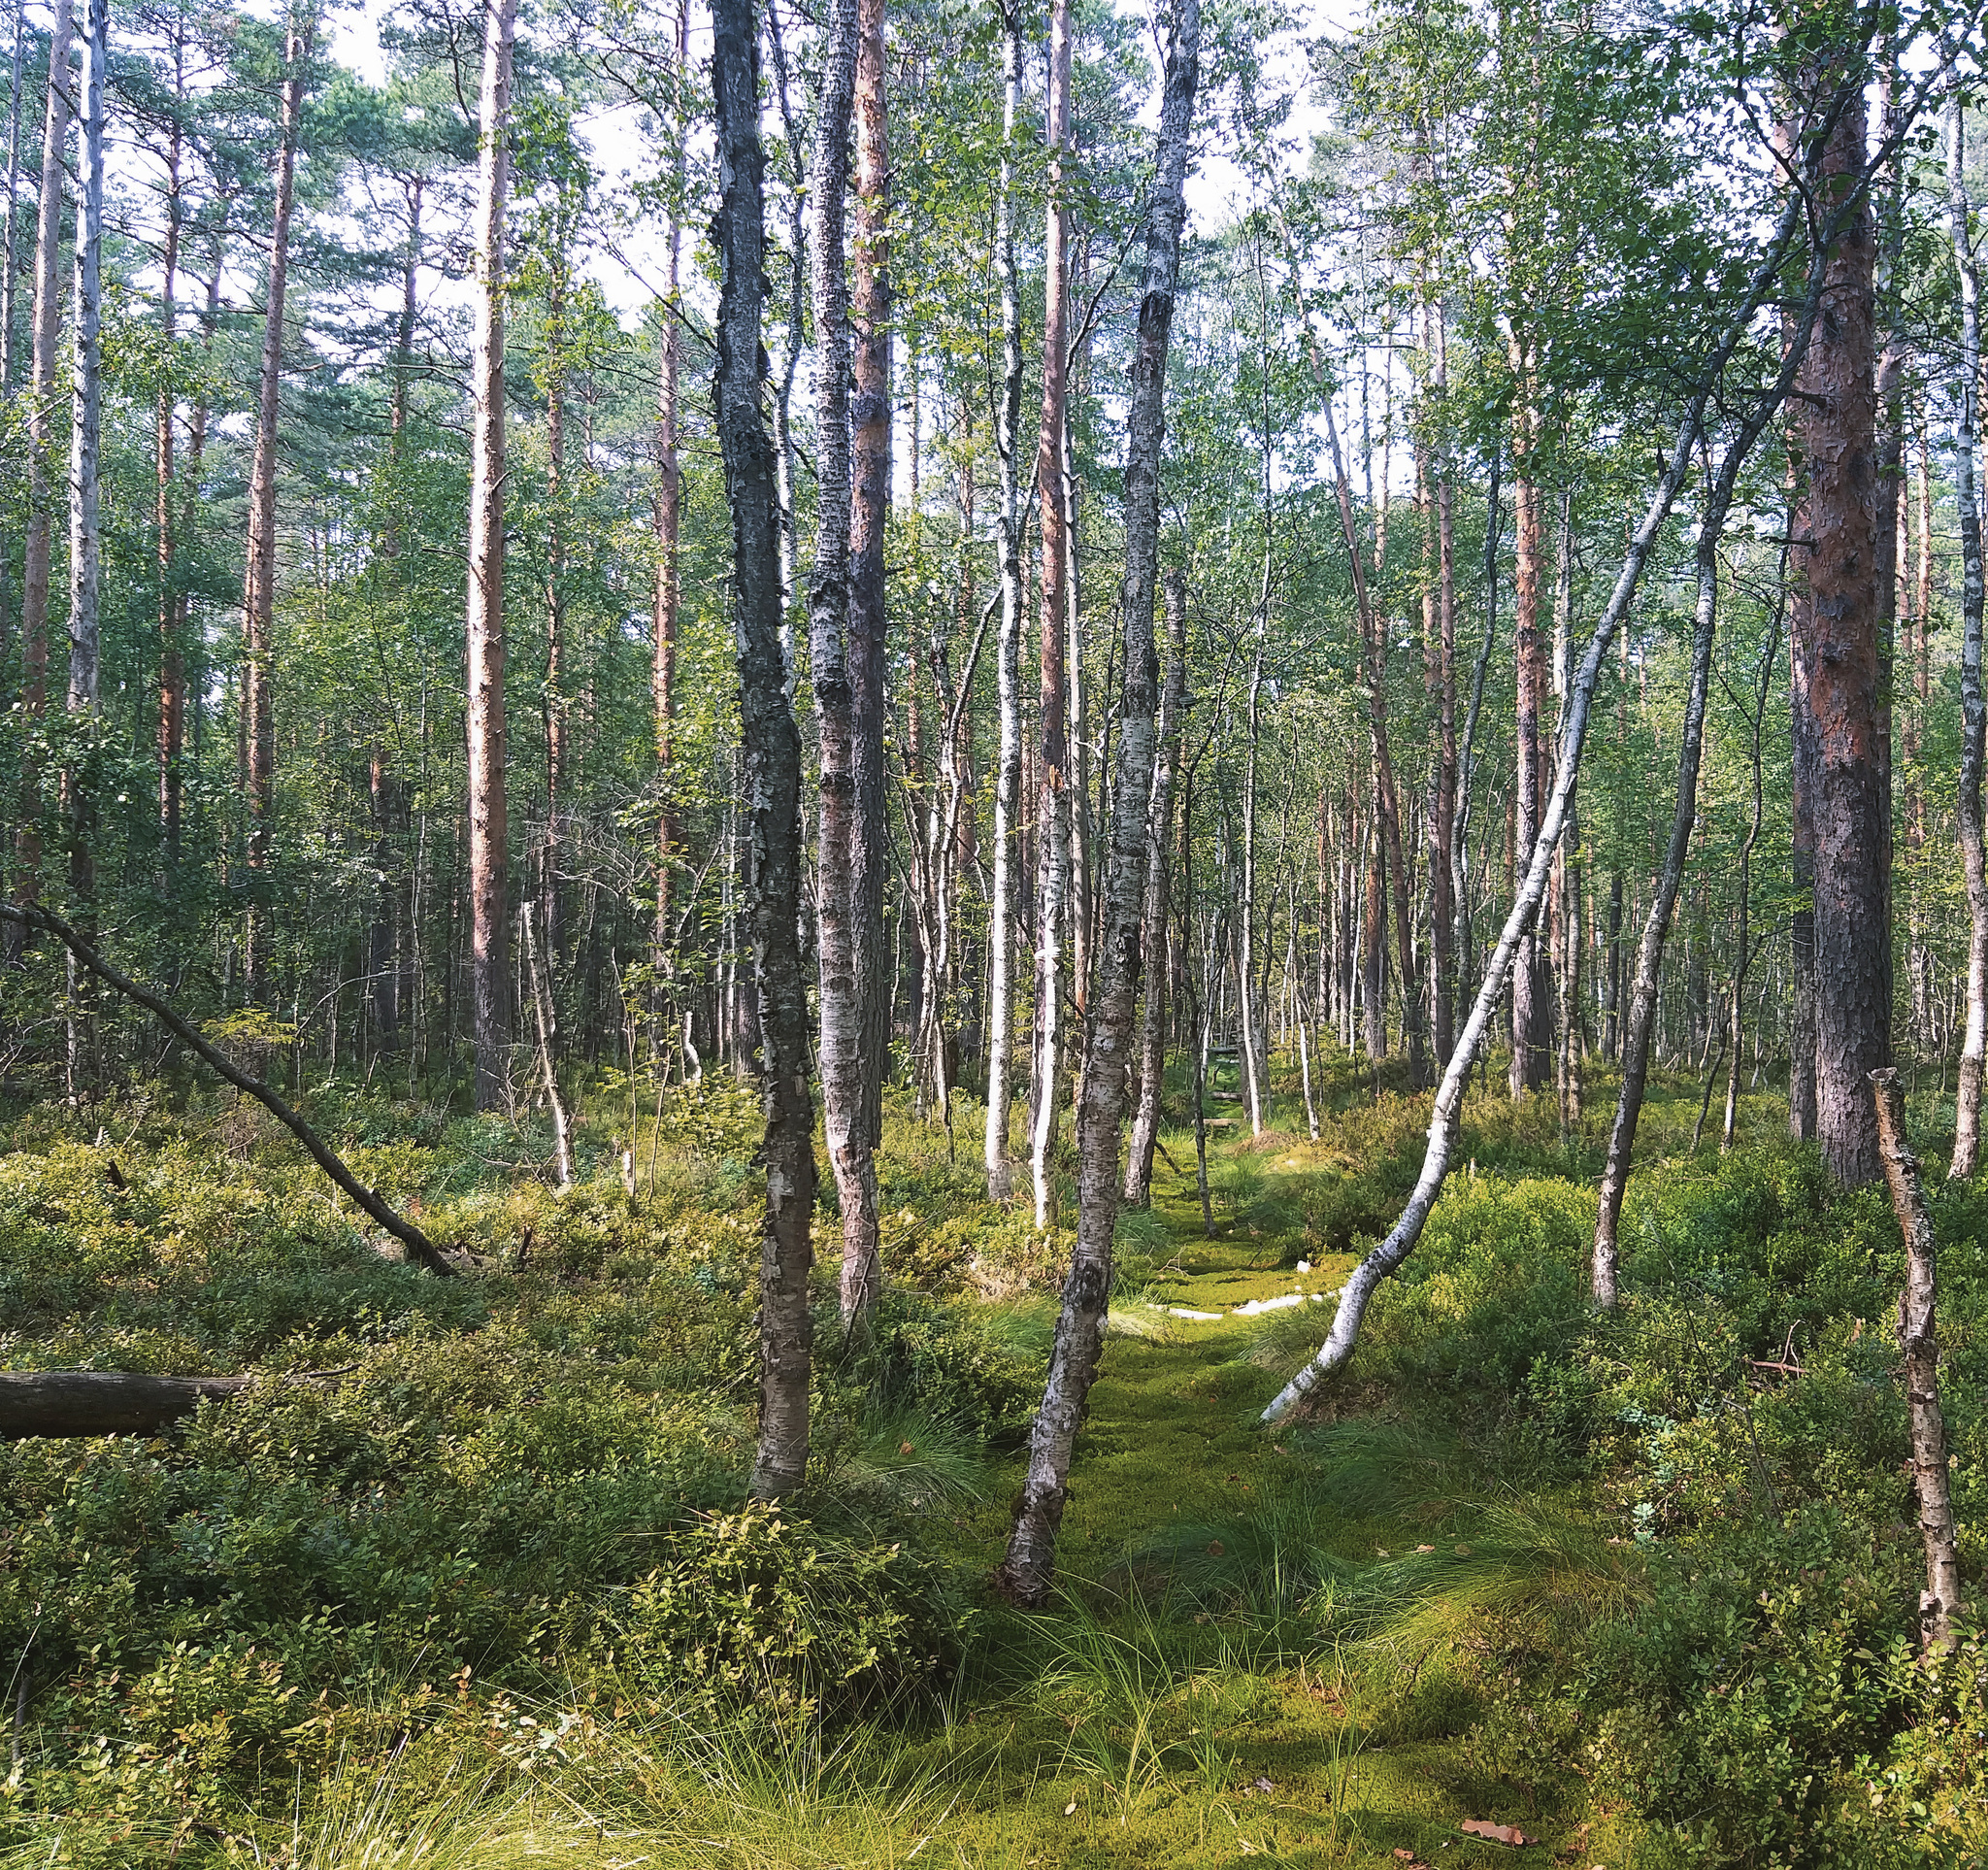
pixel 996 930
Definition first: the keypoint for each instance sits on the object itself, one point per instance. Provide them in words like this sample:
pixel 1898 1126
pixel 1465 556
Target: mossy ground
pixel 1251 1656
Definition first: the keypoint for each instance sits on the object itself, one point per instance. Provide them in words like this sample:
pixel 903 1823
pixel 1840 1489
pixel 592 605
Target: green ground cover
pixel 468 1577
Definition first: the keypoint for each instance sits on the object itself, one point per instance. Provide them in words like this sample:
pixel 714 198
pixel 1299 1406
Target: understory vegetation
pixel 469 1575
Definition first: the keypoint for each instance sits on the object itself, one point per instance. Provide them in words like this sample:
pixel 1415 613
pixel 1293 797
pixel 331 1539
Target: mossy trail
pixel 1154 1720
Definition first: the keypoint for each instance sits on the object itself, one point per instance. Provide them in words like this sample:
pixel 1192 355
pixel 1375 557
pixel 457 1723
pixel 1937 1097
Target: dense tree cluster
pixel 1502 574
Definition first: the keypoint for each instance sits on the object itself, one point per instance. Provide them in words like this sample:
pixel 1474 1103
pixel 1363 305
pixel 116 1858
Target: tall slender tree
pixel 258 591
pixel 1028 1566
pixel 870 470
pixel 1052 764
pixel 1967 1140
pixel 489 816
pixel 37 548
pixel 771 756
pixel 1007 644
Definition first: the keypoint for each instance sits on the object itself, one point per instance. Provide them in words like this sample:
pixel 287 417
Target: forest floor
pixel 464 1579
pixel 1174 1707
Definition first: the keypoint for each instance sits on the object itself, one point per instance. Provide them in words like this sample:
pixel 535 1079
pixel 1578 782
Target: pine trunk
pixel 37 548
pixel 1841 744
pixel 258 594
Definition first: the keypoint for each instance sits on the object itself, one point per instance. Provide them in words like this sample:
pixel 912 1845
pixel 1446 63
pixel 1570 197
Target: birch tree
pixel 488 817
pixel 1028 1566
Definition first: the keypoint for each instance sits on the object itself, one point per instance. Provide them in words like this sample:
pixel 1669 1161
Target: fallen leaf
pixel 1265 1785
pixel 1215 1548
pixel 1495 1833
pixel 905 1448
pixel 1070 1809
pixel 1424 1548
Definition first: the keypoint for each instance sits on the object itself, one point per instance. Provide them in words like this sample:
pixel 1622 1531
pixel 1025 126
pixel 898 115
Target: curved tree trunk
pixel 771 758
pixel 1029 1564
pixel 1444 1124
pixel 1649 955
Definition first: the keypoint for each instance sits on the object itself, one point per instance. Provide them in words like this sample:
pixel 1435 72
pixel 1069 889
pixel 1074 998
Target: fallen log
pixel 101 1402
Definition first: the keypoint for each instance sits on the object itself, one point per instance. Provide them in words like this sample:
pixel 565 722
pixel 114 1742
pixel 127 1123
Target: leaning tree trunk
pixel 1027 1568
pixel 869 857
pixel 1444 1124
pixel 37 548
pixel 1053 797
pixel 489 824
pixel 1007 646
pixel 1967 1138
pixel 1152 1060
pixel 259 592
pixel 839 936
pixel 771 758
pixel 1649 955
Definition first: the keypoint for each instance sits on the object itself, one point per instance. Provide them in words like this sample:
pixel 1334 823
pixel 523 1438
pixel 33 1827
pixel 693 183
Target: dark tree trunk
pixel 1841 749
pixel 771 759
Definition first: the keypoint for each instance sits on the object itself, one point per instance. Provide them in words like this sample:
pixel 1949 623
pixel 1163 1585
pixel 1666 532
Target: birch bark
pixel 1967 1142
pixel 1008 645
pixel 771 756
pixel 1027 1568
pixel 489 825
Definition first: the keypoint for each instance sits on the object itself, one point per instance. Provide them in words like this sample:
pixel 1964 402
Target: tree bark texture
pixel 1028 1567
pixel 1001 916
pixel 1834 626
pixel 870 428
pixel 258 591
pixel 38 547
pixel 1967 1141
pixel 771 758
pixel 489 853
pixel 1939 1603
pixel 1152 1061
pixel 1052 766
pixel 668 593
pixel 1531 991
pixel 839 935
pixel 85 557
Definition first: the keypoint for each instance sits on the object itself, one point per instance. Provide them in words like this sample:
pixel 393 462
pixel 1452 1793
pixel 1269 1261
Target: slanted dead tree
pixel 31 917
pixel 1445 1119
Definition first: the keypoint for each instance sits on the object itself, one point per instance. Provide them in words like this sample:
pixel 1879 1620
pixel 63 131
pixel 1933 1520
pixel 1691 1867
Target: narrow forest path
pixel 1183 1703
